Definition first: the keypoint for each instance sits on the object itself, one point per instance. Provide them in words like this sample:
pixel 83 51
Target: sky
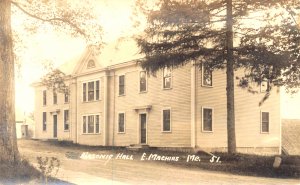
pixel 115 17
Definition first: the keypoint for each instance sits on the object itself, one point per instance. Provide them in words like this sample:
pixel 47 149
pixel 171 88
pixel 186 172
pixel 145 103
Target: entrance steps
pixel 138 146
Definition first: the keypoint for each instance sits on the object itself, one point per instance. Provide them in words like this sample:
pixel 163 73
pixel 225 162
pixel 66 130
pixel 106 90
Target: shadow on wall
pixel 291 136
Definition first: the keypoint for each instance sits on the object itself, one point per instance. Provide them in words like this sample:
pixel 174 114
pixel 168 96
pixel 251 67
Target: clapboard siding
pixel 247 112
pixel 177 98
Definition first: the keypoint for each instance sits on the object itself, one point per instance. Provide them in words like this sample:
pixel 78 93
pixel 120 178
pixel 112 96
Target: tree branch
pixel 80 31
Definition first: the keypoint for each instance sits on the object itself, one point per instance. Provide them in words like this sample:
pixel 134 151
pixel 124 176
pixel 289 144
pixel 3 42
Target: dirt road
pixel 96 167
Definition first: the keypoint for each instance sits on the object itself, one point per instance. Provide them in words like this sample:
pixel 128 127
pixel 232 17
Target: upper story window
pixel 265 122
pixel 91 124
pixel 122 85
pixel 264 86
pixel 207 119
pixel 167 78
pixel 143 81
pixel 54 98
pixel 66 120
pixel 206 75
pixel 66 97
pixel 91 91
pixel 44 121
pixel 91 64
pixel 44 97
pixel 166 120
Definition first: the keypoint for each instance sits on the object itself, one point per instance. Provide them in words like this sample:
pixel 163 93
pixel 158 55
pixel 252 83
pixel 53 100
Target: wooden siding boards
pixel 178 99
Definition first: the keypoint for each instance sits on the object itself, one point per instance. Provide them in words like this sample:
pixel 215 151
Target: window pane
pixel 90 124
pixel 166 120
pixel 121 122
pixel 265 122
pixel 44 97
pixel 66 97
pixel 143 84
pixel 121 85
pixel 207 119
pixel 90 91
pixel 66 119
pixel 54 98
pixel 97 89
pixel 167 77
pixel 97 124
pixel 207 75
pixel 84 91
pixel 84 124
pixel 44 121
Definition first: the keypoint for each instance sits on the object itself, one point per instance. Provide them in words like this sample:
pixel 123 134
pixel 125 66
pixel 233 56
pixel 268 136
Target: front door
pixel 55 126
pixel 143 126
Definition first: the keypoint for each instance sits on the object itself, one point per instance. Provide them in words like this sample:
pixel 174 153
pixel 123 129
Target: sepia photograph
pixel 160 92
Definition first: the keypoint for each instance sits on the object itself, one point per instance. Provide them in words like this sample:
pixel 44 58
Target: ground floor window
pixel 44 121
pixel 166 114
pixel 207 119
pixel 66 120
pixel 265 122
pixel 121 122
pixel 91 124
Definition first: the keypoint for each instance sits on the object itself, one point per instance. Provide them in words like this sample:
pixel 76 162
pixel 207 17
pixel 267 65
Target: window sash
pixel 44 97
pixel 207 75
pixel 265 122
pixel 167 78
pixel 143 81
pixel 91 91
pixel 84 91
pixel 66 98
pixel 121 119
pixel 122 85
pixel 54 98
pixel 91 124
pixel 66 120
pixel 44 121
pixel 207 119
pixel 166 120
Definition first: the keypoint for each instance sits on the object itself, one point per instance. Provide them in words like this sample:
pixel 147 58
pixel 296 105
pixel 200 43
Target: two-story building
pixel 119 104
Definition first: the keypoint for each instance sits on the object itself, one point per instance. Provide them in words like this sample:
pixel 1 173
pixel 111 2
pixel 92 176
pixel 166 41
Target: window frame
pixel 124 85
pixel 124 123
pixel 44 97
pixel 202 119
pixel 267 83
pixel 146 82
pixel 87 123
pixel 85 91
pixel 66 130
pixel 66 97
pixel 55 98
pixel 203 66
pixel 44 122
pixel 261 122
pixel 162 120
pixel 164 78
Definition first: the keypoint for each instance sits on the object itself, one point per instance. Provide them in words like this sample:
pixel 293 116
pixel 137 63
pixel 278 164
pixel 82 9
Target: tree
pixel 78 20
pixel 218 33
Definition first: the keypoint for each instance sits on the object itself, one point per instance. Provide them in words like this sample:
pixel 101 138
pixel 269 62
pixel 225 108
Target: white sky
pixel 115 19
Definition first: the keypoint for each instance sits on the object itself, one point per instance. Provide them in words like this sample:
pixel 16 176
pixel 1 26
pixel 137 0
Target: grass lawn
pixel 23 173
pixel 242 164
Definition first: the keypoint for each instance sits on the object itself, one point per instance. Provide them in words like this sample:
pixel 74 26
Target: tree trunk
pixel 230 81
pixel 8 140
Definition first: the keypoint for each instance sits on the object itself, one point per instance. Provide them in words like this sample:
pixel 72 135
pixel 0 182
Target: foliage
pixel 55 80
pixel 48 166
pixel 266 38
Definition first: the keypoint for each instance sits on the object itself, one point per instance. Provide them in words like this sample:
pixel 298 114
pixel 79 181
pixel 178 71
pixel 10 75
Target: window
pixel 44 97
pixel 143 81
pixel 264 86
pixel 121 121
pixel 91 64
pixel 66 97
pixel 122 85
pixel 207 116
pixel 167 120
pixel 206 75
pixel 44 121
pixel 66 120
pixel 91 124
pixel 91 91
pixel 54 98
pixel 167 78
pixel 264 122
